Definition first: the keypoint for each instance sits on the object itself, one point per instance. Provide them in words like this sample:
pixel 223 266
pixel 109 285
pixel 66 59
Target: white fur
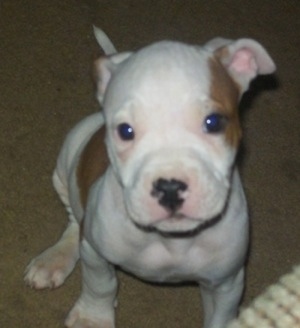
pixel 163 92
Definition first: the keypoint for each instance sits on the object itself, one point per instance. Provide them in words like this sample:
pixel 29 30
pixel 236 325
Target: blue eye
pixel 215 123
pixel 125 132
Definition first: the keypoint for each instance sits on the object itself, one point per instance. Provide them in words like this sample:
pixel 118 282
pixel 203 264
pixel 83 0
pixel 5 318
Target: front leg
pixel 221 302
pixel 95 306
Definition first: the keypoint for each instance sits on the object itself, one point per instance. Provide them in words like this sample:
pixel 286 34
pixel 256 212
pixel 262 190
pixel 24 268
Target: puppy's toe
pixel 48 270
pixel 41 276
pixel 80 318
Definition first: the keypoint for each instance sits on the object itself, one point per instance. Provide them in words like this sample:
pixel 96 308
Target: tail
pixel 104 41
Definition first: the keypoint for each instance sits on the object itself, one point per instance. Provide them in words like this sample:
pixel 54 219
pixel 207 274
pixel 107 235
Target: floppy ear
pixel 244 59
pixel 104 68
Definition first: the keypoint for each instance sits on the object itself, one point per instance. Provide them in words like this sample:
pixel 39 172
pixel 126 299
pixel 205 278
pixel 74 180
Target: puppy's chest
pixel 165 263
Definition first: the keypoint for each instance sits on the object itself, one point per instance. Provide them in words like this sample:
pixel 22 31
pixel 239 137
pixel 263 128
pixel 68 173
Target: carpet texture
pixel 47 50
pixel 277 307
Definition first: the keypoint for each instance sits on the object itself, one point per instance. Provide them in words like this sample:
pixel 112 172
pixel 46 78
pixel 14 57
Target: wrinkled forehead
pixel 165 70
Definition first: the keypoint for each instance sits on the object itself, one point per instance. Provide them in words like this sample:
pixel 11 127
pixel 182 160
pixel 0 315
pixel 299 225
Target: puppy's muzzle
pixel 169 193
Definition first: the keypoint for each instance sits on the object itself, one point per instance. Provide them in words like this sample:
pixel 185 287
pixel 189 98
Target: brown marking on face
pixel 222 54
pixel 92 164
pixel 225 95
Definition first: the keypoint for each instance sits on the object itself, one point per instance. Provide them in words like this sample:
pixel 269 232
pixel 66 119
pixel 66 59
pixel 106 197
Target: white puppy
pixel 170 206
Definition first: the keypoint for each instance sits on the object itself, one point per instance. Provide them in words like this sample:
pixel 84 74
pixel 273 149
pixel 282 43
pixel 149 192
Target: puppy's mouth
pixel 202 226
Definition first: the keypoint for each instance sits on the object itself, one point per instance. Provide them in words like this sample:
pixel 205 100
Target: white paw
pixel 83 318
pixel 49 269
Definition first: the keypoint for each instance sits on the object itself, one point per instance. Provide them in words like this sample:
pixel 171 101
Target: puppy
pixel 170 206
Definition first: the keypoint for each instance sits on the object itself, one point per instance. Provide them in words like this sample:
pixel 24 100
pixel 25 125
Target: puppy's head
pixel 173 130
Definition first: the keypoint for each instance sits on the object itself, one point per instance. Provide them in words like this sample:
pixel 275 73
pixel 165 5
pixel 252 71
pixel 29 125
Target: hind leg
pixel 51 268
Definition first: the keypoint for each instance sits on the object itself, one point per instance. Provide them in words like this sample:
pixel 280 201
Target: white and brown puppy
pixel 170 206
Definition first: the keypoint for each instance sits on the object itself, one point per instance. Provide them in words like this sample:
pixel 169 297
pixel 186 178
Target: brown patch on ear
pixel 222 53
pixel 225 94
pixel 92 164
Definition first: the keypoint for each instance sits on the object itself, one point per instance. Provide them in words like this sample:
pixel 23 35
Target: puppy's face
pixel 172 135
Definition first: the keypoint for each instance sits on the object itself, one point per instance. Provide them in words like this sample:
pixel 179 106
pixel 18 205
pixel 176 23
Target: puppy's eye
pixel 125 131
pixel 215 123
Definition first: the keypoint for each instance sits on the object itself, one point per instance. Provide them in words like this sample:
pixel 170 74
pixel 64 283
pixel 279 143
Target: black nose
pixel 168 193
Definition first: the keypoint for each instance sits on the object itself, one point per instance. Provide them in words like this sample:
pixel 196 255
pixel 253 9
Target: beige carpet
pixel 47 49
